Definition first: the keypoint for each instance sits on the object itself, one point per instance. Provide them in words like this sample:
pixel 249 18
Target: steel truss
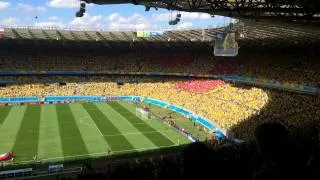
pixel 305 10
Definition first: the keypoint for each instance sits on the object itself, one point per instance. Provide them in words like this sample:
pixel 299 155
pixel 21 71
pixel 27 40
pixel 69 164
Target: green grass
pixel 4 111
pixel 112 135
pixel 180 121
pixel 71 140
pixel 155 136
pixel 26 144
pixel 75 131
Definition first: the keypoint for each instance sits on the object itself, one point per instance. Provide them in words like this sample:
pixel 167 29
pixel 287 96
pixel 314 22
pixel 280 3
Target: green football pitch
pixel 60 132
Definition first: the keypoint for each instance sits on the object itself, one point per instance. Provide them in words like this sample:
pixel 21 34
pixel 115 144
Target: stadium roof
pixel 252 33
pixel 306 10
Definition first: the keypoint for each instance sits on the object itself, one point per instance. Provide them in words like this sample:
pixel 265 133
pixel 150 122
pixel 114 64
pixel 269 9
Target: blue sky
pixel 61 13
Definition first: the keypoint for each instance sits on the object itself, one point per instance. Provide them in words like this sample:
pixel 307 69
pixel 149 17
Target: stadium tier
pixel 273 66
pixel 250 33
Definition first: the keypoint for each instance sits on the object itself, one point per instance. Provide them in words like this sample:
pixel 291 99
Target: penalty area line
pixel 98 129
pixel 81 121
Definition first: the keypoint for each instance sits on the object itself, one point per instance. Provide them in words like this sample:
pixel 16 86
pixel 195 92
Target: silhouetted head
pixel 95 176
pixel 273 141
pixel 196 158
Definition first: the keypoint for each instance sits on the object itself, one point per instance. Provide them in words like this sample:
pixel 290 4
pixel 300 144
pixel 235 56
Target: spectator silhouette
pixel 277 153
pixel 199 161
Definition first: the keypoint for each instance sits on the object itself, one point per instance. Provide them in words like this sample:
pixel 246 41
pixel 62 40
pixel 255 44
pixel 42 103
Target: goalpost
pixel 143 113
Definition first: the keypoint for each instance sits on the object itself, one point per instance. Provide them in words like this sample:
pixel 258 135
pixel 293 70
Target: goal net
pixel 143 113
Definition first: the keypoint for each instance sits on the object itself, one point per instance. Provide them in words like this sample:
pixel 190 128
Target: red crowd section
pixel 198 86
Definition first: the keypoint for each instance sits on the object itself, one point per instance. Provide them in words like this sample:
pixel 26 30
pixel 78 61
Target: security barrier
pixel 19 99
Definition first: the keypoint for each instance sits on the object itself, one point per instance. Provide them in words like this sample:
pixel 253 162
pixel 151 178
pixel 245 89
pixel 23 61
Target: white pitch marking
pixel 89 124
pixel 147 123
pixel 134 133
pixel 94 154
pixel 98 129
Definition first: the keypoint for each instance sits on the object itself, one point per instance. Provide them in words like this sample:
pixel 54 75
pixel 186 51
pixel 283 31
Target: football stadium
pixel 165 103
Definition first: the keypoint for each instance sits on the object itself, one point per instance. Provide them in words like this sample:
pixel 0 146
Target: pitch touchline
pixel 99 153
pixel 135 133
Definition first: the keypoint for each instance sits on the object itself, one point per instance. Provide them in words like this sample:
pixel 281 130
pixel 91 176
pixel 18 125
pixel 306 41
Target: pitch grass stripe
pixel 26 144
pixel 157 138
pixel 4 111
pixel 138 140
pixel 91 135
pixel 10 128
pixel 49 136
pixel 106 127
pixel 71 139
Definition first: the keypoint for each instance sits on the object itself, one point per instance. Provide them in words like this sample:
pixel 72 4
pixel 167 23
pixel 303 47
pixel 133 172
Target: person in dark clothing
pixel 281 162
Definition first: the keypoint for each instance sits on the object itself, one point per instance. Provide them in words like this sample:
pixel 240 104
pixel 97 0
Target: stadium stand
pixel 238 108
pixel 272 66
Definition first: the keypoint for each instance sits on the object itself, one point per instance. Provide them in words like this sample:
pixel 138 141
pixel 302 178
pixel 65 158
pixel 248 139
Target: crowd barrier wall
pixel 72 98
pixel 301 88
pixel 220 133
pixel 19 99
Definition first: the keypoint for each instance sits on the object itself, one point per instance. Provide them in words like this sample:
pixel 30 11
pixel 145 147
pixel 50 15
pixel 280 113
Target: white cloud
pixel 10 21
pixel 138 26
pixel 53 18
pixel 114 21
pixel 29 8
pixel 135 21
pixel 184 25
pixel 64 3
pixel 205 16
pixel 49 24
pixel 163 17
pixel 4 5
pixel 187 16
pixel 87 21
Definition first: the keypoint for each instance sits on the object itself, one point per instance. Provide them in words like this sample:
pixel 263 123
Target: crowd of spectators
pixel 198 86
pixel 237 109
pixel 284 67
